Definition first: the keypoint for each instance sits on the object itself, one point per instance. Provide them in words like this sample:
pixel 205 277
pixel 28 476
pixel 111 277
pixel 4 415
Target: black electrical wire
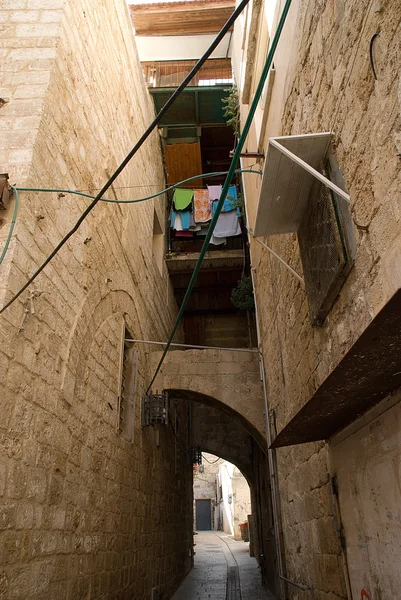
pixel 134 150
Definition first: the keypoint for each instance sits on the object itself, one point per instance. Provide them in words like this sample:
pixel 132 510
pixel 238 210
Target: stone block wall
pixel 329 85
pixel 333 89
pixel 83 512
pixel 30 31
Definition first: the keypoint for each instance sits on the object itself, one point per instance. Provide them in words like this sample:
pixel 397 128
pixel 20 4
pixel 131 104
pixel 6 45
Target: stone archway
pixel 218 428
pixel 229 377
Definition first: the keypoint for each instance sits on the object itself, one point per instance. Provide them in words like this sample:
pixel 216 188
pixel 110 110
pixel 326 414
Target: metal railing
pixel 166 74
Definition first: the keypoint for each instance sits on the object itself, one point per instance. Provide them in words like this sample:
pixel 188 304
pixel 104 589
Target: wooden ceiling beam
pixel 181 18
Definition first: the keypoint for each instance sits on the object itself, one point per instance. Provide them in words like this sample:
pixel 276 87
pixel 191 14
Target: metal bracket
pixel 248 154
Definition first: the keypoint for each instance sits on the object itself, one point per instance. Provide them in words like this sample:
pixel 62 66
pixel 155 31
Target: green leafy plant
pixel 237 202
pixel 242 295
pixel 231 110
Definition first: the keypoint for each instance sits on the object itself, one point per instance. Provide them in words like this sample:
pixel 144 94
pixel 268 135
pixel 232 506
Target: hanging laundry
pixel 192 225
pixel 185 218
pixel 175 221
pixel 232 197
pixel 217 241
pixel 214 192
pixel 202 212
pixel 184 234
pixel 203 231
pixel 213 240
pixel 227 225
pixel 182 198
pixel 230 201
pixel 180 219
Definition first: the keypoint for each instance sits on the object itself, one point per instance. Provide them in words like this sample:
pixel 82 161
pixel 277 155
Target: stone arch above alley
pixel 228 377
pixel 223 435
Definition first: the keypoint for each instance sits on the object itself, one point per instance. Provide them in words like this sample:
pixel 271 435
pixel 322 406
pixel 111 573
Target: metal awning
pixel 369 371
pixel 196 106
pixel 290 171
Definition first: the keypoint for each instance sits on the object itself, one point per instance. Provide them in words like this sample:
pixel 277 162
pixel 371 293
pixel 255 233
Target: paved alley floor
pixel 223 570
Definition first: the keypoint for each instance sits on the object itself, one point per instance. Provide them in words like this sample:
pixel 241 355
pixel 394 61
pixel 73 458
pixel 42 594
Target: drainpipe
pixel 270 456
pixel 270 451
pixel 272 472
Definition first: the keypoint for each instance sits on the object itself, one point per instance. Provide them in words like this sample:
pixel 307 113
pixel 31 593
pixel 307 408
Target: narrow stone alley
pixel 223 570
pixel 200 299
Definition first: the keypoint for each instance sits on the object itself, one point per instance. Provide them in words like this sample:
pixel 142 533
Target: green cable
pixel 172 187
pixel 226 185
pixel 12 224
pixel 59 191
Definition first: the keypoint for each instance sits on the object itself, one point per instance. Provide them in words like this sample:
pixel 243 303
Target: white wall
pixel 235 503
pixel 175 47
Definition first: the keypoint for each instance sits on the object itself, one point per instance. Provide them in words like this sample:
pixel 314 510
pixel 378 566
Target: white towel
pixel 214 192
pixel 178 222
pixel 227 225
pixel 217 241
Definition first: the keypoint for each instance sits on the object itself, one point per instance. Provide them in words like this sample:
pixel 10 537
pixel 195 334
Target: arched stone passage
pixel 219 429
pixel 229 377
pixel 220 434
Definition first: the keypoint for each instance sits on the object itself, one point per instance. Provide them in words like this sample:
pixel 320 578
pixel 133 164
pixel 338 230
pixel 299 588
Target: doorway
pixel 203 515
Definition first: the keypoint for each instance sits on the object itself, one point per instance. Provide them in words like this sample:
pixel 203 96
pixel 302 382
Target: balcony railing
pixel 166 74
pixel 182 245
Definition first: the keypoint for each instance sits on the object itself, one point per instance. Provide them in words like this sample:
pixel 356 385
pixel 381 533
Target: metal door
pixel 203 515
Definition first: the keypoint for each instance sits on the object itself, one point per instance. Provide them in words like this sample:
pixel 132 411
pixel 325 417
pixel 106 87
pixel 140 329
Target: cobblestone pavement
pixel 223 570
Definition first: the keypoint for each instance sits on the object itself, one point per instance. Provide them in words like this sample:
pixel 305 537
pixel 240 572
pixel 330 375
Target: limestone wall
pixel 324 82
pixel 366 458
pixel 83 512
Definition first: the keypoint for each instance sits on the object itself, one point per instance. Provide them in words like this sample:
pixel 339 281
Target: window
pixel 126 399
pixel 325 246
pixel 302 191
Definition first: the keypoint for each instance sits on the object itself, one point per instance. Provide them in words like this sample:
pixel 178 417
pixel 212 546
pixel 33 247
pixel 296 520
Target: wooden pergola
pixel 191 17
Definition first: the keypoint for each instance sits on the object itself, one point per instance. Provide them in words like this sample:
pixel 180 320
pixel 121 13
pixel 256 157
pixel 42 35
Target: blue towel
pixel 185 218
pixel 231 199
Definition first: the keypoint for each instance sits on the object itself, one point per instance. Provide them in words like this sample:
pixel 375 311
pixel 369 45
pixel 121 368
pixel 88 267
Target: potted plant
pixel 244 531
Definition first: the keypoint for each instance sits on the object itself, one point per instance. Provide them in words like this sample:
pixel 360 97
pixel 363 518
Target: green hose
pixel 226 185
pixel 172 187
pixel 60 191
pixel 12 224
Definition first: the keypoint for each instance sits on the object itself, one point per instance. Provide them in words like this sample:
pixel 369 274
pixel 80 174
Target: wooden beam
pixel 181 18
